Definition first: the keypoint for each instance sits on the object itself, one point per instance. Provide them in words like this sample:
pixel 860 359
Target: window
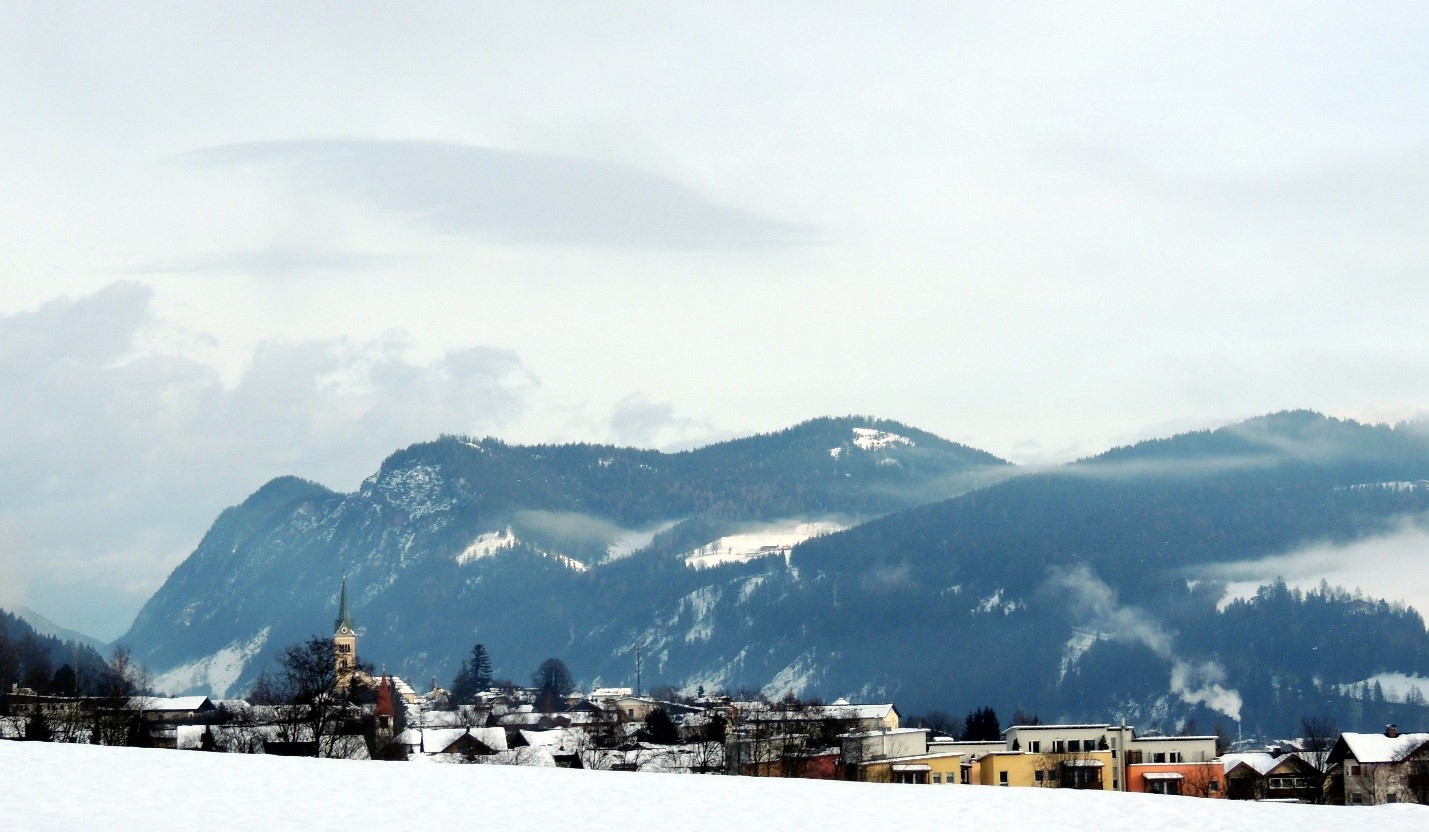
pixel 1172 787
pixel 1038 775
pixel 1035 746
pixel 1301 782
pixel 1059 747
pixel 1355 770
pixel 1074 746
pixel 937 779
pixel 1213 786
pixel 1158 757
pixel 1175 757
pixel 1002 778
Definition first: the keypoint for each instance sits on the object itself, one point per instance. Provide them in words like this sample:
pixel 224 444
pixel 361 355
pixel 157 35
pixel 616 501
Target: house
pixel 468 742
pixel 1068 742
pixel 1199 779
pixel 1120 743
pixel 1370 769
pixel 187 710
pixel 899 755
pixel 1271 775
pixel 1055 769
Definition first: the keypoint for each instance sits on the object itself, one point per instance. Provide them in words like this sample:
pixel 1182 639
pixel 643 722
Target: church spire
pixel 344 619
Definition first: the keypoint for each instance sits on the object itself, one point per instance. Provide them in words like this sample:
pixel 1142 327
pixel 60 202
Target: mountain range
pixel 855 556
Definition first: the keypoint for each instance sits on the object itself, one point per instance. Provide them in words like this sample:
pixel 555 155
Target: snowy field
pixel 76 787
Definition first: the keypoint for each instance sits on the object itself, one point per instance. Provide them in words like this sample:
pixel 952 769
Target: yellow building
pixel 936 769
pixel 1085 770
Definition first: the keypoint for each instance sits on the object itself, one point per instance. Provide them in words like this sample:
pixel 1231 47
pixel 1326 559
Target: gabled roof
pixel 171 703
pixel 1263 762
pixel 438 740
pixel 1378 748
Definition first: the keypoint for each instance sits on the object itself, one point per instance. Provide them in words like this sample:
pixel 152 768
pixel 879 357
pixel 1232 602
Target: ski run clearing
pixel 80 787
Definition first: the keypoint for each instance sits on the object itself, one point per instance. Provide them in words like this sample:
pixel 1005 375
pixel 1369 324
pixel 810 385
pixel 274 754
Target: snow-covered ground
pixel 776 539
pixel 75 787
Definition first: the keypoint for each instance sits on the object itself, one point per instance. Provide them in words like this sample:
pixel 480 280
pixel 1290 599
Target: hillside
pixel 30 659
pixel 821 560
pixel 538 551
pixel 126 789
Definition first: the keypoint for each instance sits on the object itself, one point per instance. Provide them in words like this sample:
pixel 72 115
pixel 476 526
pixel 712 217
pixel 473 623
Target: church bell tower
pixel 344 642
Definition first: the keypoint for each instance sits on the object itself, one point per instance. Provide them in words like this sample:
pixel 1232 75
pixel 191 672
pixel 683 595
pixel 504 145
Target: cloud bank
pixel 1388 566
pixel 515 198
pixel 114 459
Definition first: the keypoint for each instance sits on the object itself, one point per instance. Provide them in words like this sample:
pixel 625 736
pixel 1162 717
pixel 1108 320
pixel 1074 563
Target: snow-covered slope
pixel 126 789
pixel 766 541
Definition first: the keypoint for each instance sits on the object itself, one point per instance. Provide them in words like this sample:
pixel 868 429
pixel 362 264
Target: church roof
pixel 344 619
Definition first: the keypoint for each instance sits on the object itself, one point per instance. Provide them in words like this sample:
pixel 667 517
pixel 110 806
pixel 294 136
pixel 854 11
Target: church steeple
pixel 344 642
pixel 344 619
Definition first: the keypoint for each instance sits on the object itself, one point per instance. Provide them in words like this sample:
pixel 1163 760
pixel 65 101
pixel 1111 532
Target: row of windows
pixel 1068 746
pixel 1289 782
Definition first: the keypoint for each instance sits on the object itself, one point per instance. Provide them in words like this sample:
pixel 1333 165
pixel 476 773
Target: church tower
pixel 344 642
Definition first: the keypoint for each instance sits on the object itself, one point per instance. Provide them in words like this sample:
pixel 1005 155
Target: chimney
pixel 1391 730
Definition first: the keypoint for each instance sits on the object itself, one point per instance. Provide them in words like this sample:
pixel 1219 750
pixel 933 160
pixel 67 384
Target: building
pixel 1058 770
pixel 1370 769
pixel 899 755
pixel 344 642
pixel 1202 779
pixel 1119 743
pixel 1271 775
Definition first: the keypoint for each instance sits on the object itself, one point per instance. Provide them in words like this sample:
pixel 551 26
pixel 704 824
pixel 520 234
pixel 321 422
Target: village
pixel 352 713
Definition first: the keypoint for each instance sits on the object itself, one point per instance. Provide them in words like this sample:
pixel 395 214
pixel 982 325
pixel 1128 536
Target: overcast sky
pixel 246 241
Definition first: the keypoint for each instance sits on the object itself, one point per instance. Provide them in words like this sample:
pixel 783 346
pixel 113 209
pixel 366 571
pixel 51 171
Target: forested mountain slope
pixel 539 551
pixel 1091 591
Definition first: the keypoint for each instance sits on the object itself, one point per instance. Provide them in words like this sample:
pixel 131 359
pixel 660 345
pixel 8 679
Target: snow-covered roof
pixel 169 703
pixel 1378 748
pixel 1262 761
pixel 1163 775
pixel 888 733
pixel 556 739
pixel 437 740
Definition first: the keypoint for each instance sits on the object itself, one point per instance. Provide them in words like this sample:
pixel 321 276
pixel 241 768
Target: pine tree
pixel 473 677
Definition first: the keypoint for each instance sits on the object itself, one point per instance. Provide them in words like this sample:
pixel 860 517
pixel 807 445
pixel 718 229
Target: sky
pixel 239 242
